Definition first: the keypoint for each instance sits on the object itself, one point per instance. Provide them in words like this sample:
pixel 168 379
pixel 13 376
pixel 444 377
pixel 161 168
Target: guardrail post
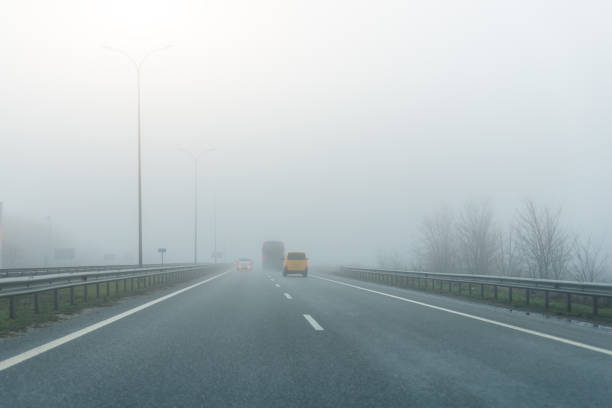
pixel 546 299
pixel 495 291
pixel 482 290
pixel 116 288
pixel 569 302
pixel 85 294
pixel 595 306
pixel 132 285
pixel 97 290
pixel 510 294
pixel 469 289
pixel 72 295
pixel 36 308
pixel 12 307
pixel 527 295
pixel 108 289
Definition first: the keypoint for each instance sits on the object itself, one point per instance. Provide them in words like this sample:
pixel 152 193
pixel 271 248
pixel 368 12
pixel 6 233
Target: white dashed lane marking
pixel 313 322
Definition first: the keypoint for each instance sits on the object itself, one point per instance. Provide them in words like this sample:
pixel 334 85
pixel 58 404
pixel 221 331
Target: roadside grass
pixel 581 306
pixel 25 315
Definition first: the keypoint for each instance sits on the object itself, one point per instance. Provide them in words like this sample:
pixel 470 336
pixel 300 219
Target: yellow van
pixel 295 262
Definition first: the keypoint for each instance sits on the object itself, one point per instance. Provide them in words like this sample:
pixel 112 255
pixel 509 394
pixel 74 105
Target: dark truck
pixel 272 255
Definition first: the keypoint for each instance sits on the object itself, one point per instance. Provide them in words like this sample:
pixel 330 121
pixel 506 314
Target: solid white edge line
pixel 313 322
pixel 288 296
pixel 9 362
pixel 482 319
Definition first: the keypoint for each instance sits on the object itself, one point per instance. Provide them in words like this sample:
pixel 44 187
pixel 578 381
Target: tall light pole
pixel 138 65
pixel 215 222
pixel 196 159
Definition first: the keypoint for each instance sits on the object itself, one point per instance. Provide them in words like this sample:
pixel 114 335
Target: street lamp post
pixel 196 159
pixel 215 223
pixel 138 66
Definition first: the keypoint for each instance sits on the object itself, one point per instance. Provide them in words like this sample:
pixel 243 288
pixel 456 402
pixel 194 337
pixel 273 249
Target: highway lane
pixel 241 340
pixel 468 361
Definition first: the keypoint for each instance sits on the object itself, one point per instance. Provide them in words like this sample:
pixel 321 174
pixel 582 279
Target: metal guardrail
pixel 9 272
pixel 12 287
pixel 394 277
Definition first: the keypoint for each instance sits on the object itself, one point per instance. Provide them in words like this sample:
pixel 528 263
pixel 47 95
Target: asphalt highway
pixel 257 339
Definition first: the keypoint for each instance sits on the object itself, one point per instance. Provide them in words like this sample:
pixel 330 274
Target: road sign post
pixel 162 251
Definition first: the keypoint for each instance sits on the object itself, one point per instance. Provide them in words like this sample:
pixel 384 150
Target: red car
pixel 244 264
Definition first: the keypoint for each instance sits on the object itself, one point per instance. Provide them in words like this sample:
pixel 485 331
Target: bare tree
pixel 476 238
pixel 506 257
pixel 542 243
pixel 438 242
pixel 589 264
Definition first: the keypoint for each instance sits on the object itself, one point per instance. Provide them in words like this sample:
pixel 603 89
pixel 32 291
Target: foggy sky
pixel 337 125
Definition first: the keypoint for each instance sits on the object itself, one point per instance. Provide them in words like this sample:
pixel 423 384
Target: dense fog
pixel 348 129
